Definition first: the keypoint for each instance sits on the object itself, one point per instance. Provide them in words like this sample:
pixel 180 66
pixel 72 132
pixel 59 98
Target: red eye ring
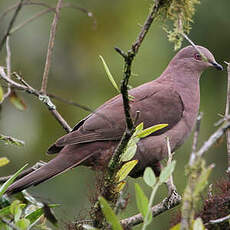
pixel 197 56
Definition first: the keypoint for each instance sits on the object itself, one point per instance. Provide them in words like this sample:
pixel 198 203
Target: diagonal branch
pixel 43 98
pixel 2 42
pixel 50 47
pixel 226 115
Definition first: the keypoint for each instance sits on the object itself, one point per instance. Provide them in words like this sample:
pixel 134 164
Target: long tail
pixel 56 166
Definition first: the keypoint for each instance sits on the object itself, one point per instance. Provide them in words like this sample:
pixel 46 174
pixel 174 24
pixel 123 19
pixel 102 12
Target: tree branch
pixel 50 47
pixel 43 98
pixel 166 204
pixel 2 42
pixel 226 115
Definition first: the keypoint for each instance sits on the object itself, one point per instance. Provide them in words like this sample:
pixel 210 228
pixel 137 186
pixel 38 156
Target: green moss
pixel 176 16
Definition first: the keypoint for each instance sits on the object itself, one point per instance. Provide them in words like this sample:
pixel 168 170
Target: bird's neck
pixel 186 83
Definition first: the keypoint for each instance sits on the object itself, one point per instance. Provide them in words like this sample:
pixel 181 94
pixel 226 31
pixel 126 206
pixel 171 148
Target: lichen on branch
pixel 176 16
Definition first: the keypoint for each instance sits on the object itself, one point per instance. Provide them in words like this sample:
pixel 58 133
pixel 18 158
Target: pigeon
pixel 173 98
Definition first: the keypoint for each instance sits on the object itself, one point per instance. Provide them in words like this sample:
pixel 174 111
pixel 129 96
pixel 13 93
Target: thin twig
pixel 213 138
pixel 220 220
pixel 166 204
pixel 193 156
pixel 50 47
pixel 146 26
pixel 226 115
pixel 30 3
pixel 2 42
pixel 8 67
pixel 187 209
pixel 170 183
pixel 34 17
pixel 43 98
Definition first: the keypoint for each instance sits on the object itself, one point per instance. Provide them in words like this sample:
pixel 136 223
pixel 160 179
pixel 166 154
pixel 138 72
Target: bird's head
pixel 197 59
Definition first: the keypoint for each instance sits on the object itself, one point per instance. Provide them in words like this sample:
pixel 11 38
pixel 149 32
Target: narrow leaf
pixel 17 101
pixel 22 224
pixel 129 152
pixel 109 74
pixel 142 200
pixel 5 211
pixel 1 94
pixel 109 214
pixel 120 186
pixel 139 128
pixel 3 161
pixel 16 209
pixel 167 172
pixel 150 130
pixel 4 187
pixel 198 224
pixel 125 170
pixel 35 215
pixel 149 177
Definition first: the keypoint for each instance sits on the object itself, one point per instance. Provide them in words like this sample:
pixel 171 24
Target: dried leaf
pixel 17 101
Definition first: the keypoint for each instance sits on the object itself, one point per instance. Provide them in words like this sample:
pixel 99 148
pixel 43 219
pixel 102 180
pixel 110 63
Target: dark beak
pixel 217 66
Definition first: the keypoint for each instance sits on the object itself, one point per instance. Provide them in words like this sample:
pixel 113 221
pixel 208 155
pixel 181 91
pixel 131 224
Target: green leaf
pixel 22 224
pixel 142 200
pixel 202 181
pixel 198 224
pixel 125 170
pixel 88 227
pixel 130 151
pixel 176 227
pixel 139 128
pixel 4 226
pixel 149 177
pixel 4 187
pixel 109 214
pixel 167 172
pixel 1 94
pixel 3 161
pixel 109 74
pixel 35 215
pixel 150 130
pixel 5 211
pixel 16 209
pixel 17 101
pixel 120 186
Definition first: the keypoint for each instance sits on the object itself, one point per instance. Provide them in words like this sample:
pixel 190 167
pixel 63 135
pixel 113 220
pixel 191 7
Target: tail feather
pixel 58 165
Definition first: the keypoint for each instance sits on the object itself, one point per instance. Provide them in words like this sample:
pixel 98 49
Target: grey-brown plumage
pixel 173 98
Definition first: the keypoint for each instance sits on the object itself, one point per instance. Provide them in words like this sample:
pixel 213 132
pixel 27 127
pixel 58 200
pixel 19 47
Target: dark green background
pixel 78 74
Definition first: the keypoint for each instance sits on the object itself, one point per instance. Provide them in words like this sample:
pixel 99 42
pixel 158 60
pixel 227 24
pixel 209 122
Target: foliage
pixel 180 13
pixel 21 215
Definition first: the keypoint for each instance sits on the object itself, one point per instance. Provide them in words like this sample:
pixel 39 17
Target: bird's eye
pixel 197 56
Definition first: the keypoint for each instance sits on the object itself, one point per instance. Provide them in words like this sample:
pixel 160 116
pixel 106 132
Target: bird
pixel 173 98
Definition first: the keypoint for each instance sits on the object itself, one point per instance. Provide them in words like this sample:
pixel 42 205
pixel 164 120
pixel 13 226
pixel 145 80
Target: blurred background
pixel 77 74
